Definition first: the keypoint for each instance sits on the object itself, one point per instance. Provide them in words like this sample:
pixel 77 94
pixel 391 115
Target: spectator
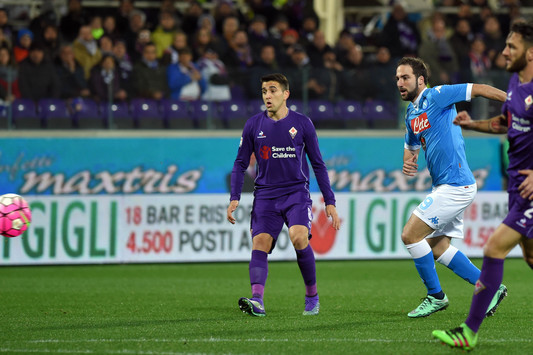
pixel 258 35
pixel 142 40
pixel 51 42
pixel 24 41
pixel 215 74
pixel 480 65
pixel 317 48
pixel 223 10
pixel 344 44
pixel 280 25
pixel 97 28
pixel 124 64
pixel 105 81
pixel 106 45
pixel 9 86
pixel 110 28
pixel 494 38
pixel 438 53
pixel 202 40
pixel 240 52
pixel 191 16
pixel 163 35
pixel 37 77
pixel 6 30
pixel 289 38
pixel 70 75
pixel 229 28
pixel 356 72
pixel 149 77
pixel 179 42
pixel 70 24
pixel 460 41
pixel 298 69
pixel 207 22
pixel 184 79
pixel 400 34
pixel 382 74
pixel 334 70
pixel 136 25
pixel 86 50
pixel 309 27
pixel 266 64
pixel 125 10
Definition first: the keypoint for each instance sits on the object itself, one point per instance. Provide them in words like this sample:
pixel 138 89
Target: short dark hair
pixel 525 29
pixel 278 78
pixel 419 67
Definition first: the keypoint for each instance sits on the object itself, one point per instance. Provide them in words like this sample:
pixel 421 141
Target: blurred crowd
pixel 219 52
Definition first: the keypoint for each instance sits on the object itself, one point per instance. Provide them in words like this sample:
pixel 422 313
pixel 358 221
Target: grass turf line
pixel 192 308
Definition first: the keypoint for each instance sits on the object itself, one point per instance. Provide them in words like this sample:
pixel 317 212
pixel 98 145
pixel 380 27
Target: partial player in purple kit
pixel 280 139
pixel 517 228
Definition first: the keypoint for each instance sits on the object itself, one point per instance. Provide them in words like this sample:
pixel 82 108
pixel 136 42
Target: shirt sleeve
pixel 241 162
pixel 411 141
pixel 446 95
pixel 315 158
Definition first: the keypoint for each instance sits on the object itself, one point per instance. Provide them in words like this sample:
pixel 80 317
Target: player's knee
pixel 300 241
pixel 407 238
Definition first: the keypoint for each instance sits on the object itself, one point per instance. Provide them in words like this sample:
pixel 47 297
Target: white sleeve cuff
pixel 411 147
pixel 469 91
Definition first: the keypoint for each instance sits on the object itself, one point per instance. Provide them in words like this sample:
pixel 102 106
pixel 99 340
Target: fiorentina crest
pixel 479 287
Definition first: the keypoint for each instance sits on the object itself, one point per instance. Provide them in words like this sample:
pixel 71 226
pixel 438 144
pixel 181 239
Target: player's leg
pixel 266 224
pixel 498 246
pixel 451 257
pixel 298 216
pixel 527 251
pixel 413 236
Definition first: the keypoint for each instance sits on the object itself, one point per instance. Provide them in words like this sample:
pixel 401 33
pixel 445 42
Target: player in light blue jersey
pixel 428 232
pixel 517 228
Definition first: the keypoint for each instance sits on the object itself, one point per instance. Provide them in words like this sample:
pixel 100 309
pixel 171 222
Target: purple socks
pixel 306 262
pixel 485 289
pixel 258 269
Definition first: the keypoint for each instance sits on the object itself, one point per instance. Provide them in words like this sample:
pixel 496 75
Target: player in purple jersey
pixel 517 228
pixel 280 139
pixel 439 218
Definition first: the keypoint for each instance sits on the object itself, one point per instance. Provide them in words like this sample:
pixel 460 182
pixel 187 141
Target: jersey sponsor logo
pixel 265 152
pixel 261 135
pixel 420 123
pixel 293 132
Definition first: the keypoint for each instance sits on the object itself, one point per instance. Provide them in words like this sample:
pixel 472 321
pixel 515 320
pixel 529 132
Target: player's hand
pixel 232 207
pixel 331 211
pixel 463 119
pixel 410 166
pixel 526 187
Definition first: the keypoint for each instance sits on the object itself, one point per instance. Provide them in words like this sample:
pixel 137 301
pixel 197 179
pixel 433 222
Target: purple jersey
pixel 280 148
pixel 518 108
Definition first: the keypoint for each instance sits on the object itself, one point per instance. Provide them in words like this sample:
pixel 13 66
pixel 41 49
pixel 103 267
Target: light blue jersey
pixel 429 126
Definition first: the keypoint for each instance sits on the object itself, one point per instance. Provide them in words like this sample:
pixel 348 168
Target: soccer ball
pixel 15 215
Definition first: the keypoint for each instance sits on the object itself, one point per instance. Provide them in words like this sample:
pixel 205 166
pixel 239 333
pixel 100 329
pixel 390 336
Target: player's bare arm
pixel 526 187
pixel 488 92
pixel 410 165
pixel 231 208
pixel 331 211
pixel 496 125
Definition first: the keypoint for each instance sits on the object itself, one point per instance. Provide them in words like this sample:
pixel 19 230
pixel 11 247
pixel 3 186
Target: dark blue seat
pixel 24 113
pixel 118 114
pixel 176 114
pixel 255 106
pixel 237 92
pixel 351 112
pixel 233 114
pixel 204 114
pixel 323 115
pixel 55 114
pixel 298 106
pixel 381 114
pixel 87 114
pixel 146 114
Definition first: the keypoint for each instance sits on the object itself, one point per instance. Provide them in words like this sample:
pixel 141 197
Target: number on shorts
pixel 426 203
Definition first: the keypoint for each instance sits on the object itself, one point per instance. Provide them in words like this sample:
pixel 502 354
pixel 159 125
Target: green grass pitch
pixel 192 309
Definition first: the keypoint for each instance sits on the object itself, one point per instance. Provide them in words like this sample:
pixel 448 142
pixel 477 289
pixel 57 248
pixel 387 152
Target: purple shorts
pixel 268 216
pixel 520 215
